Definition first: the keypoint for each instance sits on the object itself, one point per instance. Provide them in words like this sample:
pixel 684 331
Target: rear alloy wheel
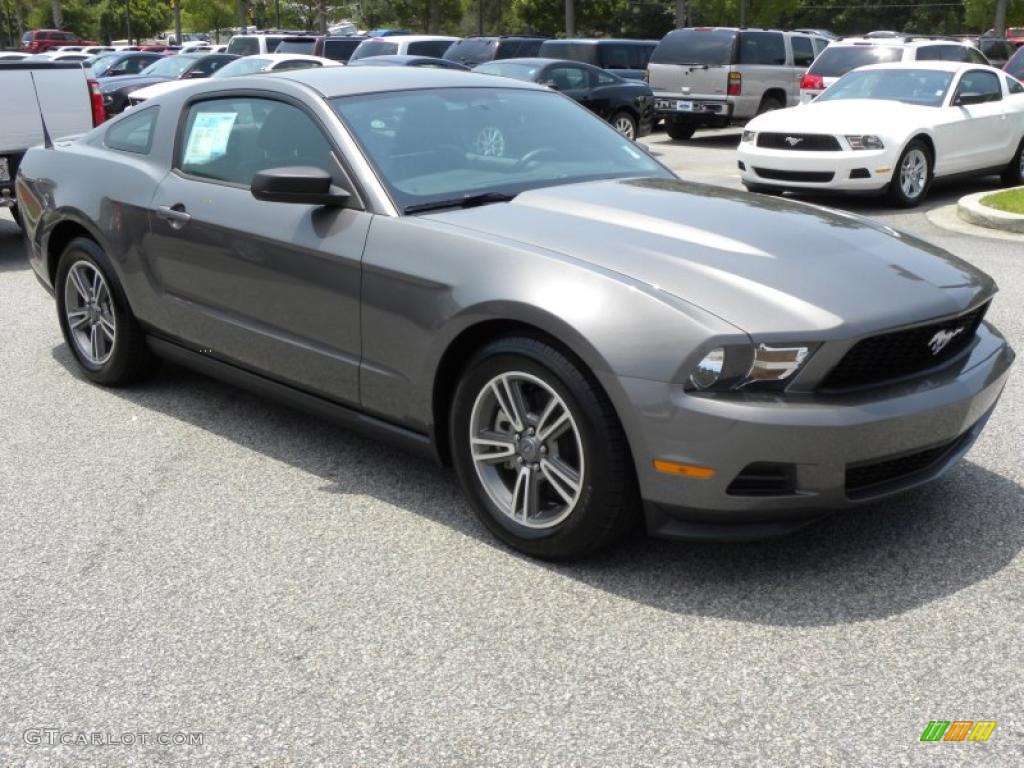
pixel 912 176
pixel 97 324
pixel 770 104
pixel 625 123
pixel 539 451
pixel 679 130
pixel 1013 174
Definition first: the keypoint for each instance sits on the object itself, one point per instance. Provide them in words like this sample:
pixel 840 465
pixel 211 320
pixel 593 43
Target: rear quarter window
pixel 132 133
pixel 803 52
pixel 243 46
pixel 763 48
pixel 566 49
pixel 435 48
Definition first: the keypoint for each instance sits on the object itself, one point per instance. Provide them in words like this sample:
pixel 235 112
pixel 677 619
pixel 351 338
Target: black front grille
pixel 764 479
pixel 819 177
pixel 899 354
pixel 864 479
pixel 803 142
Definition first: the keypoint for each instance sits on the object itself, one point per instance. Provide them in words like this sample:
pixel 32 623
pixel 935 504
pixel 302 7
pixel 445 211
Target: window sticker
pixel 208 139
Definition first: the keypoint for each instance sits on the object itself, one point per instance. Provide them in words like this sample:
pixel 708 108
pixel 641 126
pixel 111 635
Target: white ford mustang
pixel 891 128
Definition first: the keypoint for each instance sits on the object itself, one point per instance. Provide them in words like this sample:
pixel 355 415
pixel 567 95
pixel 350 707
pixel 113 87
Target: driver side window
pixel 985 83
pixel 231 140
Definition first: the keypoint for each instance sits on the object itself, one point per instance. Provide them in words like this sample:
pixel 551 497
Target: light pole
pixel 128 19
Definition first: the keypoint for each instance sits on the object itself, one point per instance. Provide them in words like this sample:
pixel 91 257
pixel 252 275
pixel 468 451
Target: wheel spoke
pixel 77 318
pixel 525 495
pixel 492 447
pixel 564 480
pixel 94 343
pixel 79 283
pixel 107 327
pixel 549 428
pixel 510 400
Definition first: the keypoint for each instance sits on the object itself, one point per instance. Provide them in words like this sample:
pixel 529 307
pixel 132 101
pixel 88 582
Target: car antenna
pixel 47 141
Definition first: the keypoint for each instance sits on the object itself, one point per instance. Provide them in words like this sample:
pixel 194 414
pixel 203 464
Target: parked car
pixel 337 48
pixel 626 104
pixel 1015 66
pixel 250 45
pixel 997 50
pixel 1015 35
pixel 846 55
pixel 61 92
pixel 714 76
pixel 297 44
pixel 892 128
pixel 387 32
pixel 401 45
pixel 626 58
pixel 121 64
pixel 185 66
pixel 40 40
pixel 825 33
pixel 245 65
pixel 65 56
pixel 578 332
pixel 472 51
pixel 13 55
pixel 409 61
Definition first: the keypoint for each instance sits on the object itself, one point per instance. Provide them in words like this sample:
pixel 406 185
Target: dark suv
pixel 337 48
pixel 626 58
pixel 478 50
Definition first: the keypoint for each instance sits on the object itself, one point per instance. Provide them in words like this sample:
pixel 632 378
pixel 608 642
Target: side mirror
pixel 967 98
pixel 550 84
pixel 299 184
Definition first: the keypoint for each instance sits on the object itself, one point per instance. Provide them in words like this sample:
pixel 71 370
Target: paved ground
pixel 181 557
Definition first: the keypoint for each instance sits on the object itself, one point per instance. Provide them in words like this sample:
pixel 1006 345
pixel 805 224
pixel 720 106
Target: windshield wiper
pixel 467 201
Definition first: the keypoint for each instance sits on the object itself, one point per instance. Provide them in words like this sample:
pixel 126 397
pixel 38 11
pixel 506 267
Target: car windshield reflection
pixel 445 144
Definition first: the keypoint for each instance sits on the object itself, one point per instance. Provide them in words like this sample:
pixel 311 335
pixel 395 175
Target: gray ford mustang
pixel 480 270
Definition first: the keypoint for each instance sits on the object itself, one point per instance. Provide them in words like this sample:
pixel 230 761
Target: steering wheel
pixel 532 155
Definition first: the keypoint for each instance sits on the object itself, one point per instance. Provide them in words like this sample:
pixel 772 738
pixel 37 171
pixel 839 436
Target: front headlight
pixel 764 367
pixel 866 141
pixel 748 136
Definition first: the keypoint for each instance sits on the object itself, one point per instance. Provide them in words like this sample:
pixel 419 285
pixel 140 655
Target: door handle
pixel 174 215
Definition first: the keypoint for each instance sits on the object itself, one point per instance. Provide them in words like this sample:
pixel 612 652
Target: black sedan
pixel 626 104
pixel 122 64
pixel 397 60
pixel 183 66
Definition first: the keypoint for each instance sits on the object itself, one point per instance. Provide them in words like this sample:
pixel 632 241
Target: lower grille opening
pixel 741 165
pixel 860 173
pixel 764 479
pixel 819 177
pixel 865 479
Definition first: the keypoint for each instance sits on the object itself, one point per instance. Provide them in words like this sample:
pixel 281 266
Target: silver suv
pixel 713 76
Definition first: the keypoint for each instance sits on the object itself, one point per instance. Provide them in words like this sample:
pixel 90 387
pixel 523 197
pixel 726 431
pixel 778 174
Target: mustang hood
pixel 764 264
pixel 846 116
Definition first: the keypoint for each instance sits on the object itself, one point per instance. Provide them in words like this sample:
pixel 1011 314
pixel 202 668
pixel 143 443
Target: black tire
pixel 761 189
pixel 1013 174
pixel 679 130
pixel 896 194
pixel 770 104
pixel 606 505
pixel 622 116
pixel 130 359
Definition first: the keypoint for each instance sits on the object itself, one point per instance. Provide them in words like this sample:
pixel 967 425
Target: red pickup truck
pixel 39 40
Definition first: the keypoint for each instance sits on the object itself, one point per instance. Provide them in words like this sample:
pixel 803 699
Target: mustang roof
pixel 941 66
pixel 348 81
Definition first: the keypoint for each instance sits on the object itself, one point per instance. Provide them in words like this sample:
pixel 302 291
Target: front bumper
pixel 846 170
pixel 817 438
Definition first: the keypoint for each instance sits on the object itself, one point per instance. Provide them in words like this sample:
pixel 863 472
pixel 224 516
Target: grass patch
pixel 1010 200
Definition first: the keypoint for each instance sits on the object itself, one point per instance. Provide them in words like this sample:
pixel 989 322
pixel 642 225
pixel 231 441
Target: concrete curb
pixel 971 210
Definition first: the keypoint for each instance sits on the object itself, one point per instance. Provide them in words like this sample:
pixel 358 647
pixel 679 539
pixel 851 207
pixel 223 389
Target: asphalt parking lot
pixel 181 557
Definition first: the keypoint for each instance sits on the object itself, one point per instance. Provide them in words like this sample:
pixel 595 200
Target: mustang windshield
pixel 451 143
pixel 924 87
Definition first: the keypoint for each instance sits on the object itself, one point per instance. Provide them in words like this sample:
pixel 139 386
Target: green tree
pixel 208 16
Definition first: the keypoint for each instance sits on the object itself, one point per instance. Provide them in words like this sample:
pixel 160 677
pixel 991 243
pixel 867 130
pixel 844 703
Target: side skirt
pixel 349 418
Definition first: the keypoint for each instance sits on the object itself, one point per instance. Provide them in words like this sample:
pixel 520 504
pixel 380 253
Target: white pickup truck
pixel 61 94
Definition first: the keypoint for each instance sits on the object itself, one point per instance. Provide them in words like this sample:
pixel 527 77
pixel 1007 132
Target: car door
pixel 978 131
pixel 604 93
pixel 271 287
pixel 570 79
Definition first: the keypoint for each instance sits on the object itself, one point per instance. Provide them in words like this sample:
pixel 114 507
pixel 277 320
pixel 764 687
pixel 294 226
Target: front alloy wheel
pixel 624 123
pixel 539 450
pixel 527 450
pixel 912 177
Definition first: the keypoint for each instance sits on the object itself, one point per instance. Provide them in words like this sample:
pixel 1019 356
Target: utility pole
pixel 323 17
pixel 743 13
pixel 177 22
pixel 277 14
pixel 480 17
pixel 682 11
pixel 1000 25
pixel 570 18
pixel 128 19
